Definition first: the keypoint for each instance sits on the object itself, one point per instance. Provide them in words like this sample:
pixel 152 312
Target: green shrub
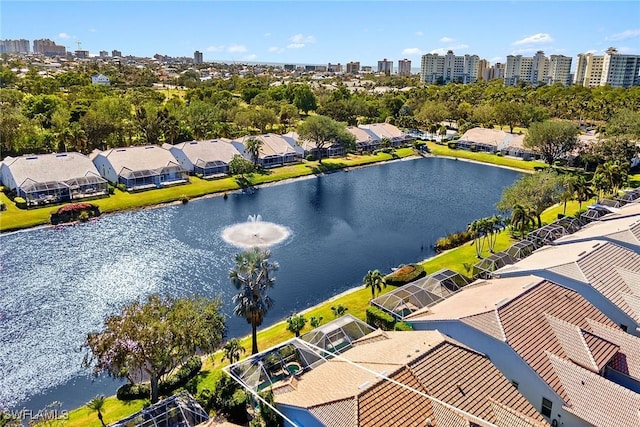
pixel 453 240
pixel 20 202
pixel 3 206
pixel 133 392
pixel 473 148
pixel 452 145
pixel 310 157
pixel 184 199
pixel 111 189
pixel 121 187
pixel 379 319
pixel 499 154
pixel 2 188
pixel 402 326
pixel 405 274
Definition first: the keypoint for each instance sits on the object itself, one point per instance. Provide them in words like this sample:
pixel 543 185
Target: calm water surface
pixel 58 285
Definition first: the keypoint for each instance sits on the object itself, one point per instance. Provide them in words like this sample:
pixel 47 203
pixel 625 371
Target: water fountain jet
pixel 255 233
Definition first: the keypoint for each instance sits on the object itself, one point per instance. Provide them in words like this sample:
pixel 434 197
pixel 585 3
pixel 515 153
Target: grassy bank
pixel 443 150
pixel 14 218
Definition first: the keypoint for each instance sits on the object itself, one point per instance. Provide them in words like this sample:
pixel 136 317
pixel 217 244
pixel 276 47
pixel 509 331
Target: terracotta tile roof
pixel 529 332
pixel 627 360
pixel 601 350
pixel 507 417
pixel 488 322
pixel 445 417
pixel 341 413
pixel 620 406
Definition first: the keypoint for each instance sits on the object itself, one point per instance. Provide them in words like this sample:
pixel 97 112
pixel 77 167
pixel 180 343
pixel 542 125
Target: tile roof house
pixel 276 150
pixel 494 140
pixel 365 139
pixel 139 167
pixel 388 131
pixel 605 273
pixel 404 379
pixel 544 336
pixel 208 158
pixel 51 178
pixel 309 147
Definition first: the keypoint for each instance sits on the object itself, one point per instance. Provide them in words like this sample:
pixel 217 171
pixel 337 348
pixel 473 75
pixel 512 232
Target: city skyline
pixel 279 32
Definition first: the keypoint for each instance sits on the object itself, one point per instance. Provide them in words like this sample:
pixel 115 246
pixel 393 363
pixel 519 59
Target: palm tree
pixel 295 323
pixel 253 145
pixel 568 191
pixel 375 281
pixel 495 224
pixel 232 350
pixel 583 190
pixel 339 310
pixel 252 277
pixel 521 218
pixel 96 404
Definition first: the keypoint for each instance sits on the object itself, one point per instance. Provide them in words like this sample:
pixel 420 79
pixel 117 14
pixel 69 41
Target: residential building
pixel 208 159
pixel 51 178
pixel 365 140
pixel 604 273
pixel 353 67
pixel 496 71
pixel 48 48
pixel 404 67
pixel 483 69
pixel 197 57
pixel 139 167
pixel 611 68
pixel 344 374
pixel 104 54
pixel 572 362
pixel 115 53
pixel 367 69
pixel 494 140
pixel 449 68
pixel 334 68
pixel 81 54
pixel 100 79
pixel 532 70
pixel 310 148
pixel 385 66
pixel 275 150
pixel 559 70
pixel 14 46
pixel 388 132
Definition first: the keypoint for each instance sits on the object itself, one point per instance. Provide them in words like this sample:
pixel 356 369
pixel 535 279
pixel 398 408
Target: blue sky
pixel 328 31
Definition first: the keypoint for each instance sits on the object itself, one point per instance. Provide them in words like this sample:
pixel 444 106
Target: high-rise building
pixel 334 68
pixel 14 46
pixel 559 70
pixel 496 71
pixel 385 66
pixel 366 69
pixel 483 69
pixel 104 54
pixel 404 67
pixel 197 57
pixel 532 70
pixel 115 53
pixel 81 54
pixel 48 48
pixel 611 68
pixel 353 67
pixel 449 68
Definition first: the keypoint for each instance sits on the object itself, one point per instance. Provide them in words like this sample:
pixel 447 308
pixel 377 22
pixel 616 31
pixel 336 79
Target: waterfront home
pixel 275 150
pixel 604 273
pixel 310 149
pixel 389 132
pixel 365 139
pixel 139 167
pixel 208 158
pixel 494 140
pixel 332 376
pixel 50 178
pixel 572 362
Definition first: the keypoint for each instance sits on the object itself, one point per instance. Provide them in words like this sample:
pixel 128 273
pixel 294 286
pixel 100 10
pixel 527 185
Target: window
pixel 546 407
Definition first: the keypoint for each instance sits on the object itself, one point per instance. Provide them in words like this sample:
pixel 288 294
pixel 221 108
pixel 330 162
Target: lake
pixel 56 285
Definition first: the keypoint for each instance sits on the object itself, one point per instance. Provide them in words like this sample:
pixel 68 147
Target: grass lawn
pixel 443 150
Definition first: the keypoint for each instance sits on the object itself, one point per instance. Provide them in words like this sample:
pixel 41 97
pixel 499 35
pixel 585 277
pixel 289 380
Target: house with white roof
pixel 310 148
pixel 139 167
pixel 387 131
pixel 573 363
pixel 604 273
pixel 275 150
pixel 494 140
pixel 100 79
pixel 208 158
pixel 365 139
pixel 50 178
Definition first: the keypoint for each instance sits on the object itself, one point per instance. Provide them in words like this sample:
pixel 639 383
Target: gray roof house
pixel 276 150
pixel 51 178
pixel 140 167
pixel 388 131
pixel 208 158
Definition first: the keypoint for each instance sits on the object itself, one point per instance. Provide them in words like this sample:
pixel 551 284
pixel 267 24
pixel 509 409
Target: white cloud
pixel 218 48
pixel 628 34
pixel 524 50
pixel 446 39
pixel 236 48
pixel 626 50
pixel 267 34
pixel 419 33
pixel 536 38
pixel 276 49
pixel 415 51
pixel 444 50
pixel 295 45
pixel 302 39
pixel 64 36
pixel 592 51
pixel 250 57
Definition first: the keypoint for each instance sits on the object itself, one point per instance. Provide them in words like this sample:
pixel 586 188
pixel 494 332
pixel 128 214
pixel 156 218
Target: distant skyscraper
pixel 366 69
pixel 104 54
pixel 116 53
pixel 385 66
pixel 449 68
pixel 353 67
pixel 14 46
pixel 532 69
pixel 334 68
pixel 611 68
pixel 559 70
pixel 81 54
pixel 483 69
pixel 197 57
pixel 48 48
pixel 404 67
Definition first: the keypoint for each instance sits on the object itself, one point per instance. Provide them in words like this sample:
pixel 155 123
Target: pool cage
pixel 484 268
pixel 611 203
pixel 294 357
pixel 594 213
pixel 630 196
pixel 179 410
pixel 570 224
pixel 420 293
pixel 521 249
pixel 547 234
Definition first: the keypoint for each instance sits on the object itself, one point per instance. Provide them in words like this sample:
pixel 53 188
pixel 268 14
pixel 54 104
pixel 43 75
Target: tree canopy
pixel 552 139
pixel 323 131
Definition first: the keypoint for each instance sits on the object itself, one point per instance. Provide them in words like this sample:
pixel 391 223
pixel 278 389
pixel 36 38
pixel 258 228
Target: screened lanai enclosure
pixel 179 410
pixel 42 193
pixel 151 178
pixel 484 268
pixel 594 213
pixel 87 186
pixel 547 234
pixel 630 196
pixel 420 293
pixel 210 169
pixel 521 249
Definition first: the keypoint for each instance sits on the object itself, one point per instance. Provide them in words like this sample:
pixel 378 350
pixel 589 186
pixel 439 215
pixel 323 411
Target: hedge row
pixel 142 391
pixel 405 274
pixel 383 320
pixel 453 240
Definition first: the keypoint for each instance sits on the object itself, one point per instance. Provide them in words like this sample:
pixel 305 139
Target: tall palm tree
pixel 253 145
pixel 568 190
pixel 495 224
pixel 252 277
pixel 232 350
pixel 583 190
pixel 521 218
pixel 96 404
pixel 374 280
